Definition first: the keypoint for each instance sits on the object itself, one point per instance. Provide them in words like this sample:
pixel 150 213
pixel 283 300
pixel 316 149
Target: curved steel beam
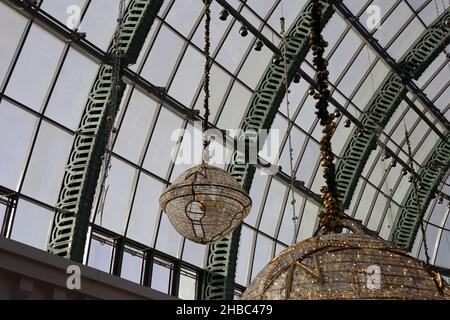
pixel 70 224
pixel 431 174
pixel 384 103
pixel 263 106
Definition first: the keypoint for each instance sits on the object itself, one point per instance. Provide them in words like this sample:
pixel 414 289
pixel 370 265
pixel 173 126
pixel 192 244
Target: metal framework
pixel 431 174
pixel 260 114
pixel 68 233
pixel 384 103
pixel 157 93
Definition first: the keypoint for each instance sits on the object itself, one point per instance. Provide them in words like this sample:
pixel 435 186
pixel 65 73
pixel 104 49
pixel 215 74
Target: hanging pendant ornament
pixel 205 203
pixel 336 265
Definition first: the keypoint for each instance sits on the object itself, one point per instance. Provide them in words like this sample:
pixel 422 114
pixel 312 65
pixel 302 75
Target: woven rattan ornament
pixel 205 203
pixel 333 264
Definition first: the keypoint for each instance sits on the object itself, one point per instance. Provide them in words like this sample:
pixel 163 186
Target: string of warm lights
pixel 332 211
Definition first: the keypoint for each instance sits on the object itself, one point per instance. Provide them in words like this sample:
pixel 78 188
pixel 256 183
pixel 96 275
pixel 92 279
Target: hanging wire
pixel 290 123
pixel 416 190
pixel 206 78
pixel 111 110
pixel 386 184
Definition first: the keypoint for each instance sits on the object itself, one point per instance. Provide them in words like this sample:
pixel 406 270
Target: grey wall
pixel 29 273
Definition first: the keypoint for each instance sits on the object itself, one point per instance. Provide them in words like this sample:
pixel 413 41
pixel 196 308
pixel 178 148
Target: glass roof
pixel 45 80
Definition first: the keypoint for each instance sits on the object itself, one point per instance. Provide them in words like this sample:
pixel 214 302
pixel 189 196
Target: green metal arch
pixel 384 103
pixel 70 224
pixel 263 106
pixel 431 174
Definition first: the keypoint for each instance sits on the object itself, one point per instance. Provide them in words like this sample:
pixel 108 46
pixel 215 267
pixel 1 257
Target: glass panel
pixel 35 68
pixel 16 126
pixel 406 39
pixel 31 224
pixel 244 255
pixel 234 48
pixel 131 265
pixel 187 78
pixel 162 57
pixel 100 253
pixel 309 160
pixel 256 194
pixel 443 255
pixel 263 253
pixel 194 253
pixel 169 239
pixel 308 221
pixel 343 54
pixel 46 170
pixel 221 81
pixel 287 226
pixel 99 22
pixel 164 138
pixel 118 188
pixel 69 95
pixel 188 284
pixel 272 208
pixel 393 23
pixel 218 28
pixel 162 275
pixel 183 15
pixel 15 24
pixel 135 126
pixel 2 213
pixel 235 107
pixel 377 212
pixel 67 11
pixel 254 66
pixel 365 203
pixel 145 212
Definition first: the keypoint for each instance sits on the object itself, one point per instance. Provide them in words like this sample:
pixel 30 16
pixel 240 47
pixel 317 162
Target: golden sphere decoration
pixel 356 265
pixel 205 203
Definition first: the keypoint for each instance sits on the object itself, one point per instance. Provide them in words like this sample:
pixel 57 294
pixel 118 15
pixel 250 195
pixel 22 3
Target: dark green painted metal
pixel 384 103
pixel 70 225
pixel 263 106
pixel 431 174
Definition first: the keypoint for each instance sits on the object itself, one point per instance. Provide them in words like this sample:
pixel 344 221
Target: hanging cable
pixel 386 184
pixel 332 211
pixel 290 123
pixel 416 190
pixel 206 77
pixel 112 108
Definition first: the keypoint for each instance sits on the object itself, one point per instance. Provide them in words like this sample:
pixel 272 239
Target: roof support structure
pixel 431 175
pixel 70 225
pixel 263 106
pixel 384 103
